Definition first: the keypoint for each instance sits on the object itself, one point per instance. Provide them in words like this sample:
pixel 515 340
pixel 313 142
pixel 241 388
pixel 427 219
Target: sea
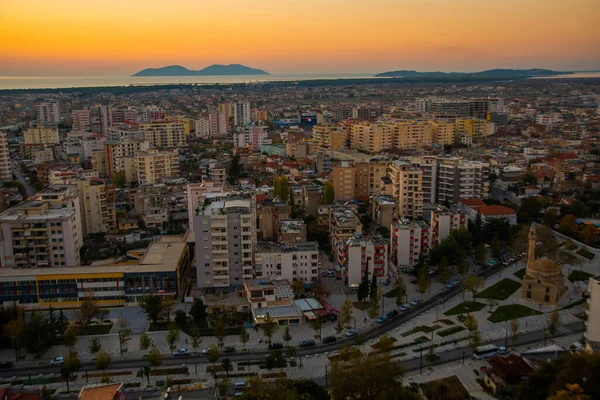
pixel 48 82
pixel 45 82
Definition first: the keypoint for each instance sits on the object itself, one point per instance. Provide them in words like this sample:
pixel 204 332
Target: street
pixel 17 171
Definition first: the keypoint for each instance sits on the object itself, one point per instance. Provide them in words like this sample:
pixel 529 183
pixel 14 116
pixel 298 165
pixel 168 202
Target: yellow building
pixel 164 134
pixel 407 188
pixel 188 123
pixel 41 135
pixel 343 178
pixel 331 136
pixel 366 136
pixel 154 165
pixel 410 135
pixel 471 129
pixel 443 132
pixel 358 179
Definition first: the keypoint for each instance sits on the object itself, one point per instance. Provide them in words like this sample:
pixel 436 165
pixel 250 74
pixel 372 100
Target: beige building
pixel 331 136
pixel 471 130
pixel 41 155
pixel 293 262
pixel 196 193
pixel 64 196
pixel 443 132
pixel 292 231
pixel 592 332
pixel 344 223
pixel 164 134
pixel 410 135
pixel 98 161
pixel 343 177
pixel 154 165
pixel 406 186
pixel 383 210
pixel 114 151
pixel 5 169
pixel 269 216
pixel 39 234
pixel 544 282
pixel 93 205
pixel 358 179
pixel 41 135
pixel 370 137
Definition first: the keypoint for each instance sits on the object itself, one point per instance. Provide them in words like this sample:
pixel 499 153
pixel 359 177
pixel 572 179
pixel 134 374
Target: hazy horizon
pixel 107 38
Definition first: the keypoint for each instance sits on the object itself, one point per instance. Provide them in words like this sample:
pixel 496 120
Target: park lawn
pixel 454 389
pixel 578 275
pixel 391 294
pixel 510 312
pixel 421 328
pixel 450 331
pixel 501 290
pixel 94 329
pixel 520 273
pixel 363 306
pixel 465 307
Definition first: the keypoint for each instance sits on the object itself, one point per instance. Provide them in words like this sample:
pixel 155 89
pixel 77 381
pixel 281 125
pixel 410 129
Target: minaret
pixel 532 239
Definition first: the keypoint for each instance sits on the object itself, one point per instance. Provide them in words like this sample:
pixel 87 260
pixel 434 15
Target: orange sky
pixel 120 37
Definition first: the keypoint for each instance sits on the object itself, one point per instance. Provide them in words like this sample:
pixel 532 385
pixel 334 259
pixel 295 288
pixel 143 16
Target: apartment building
pixel 383 210
pixel 410 135
pixel 409 241
pixel 370 137
pixel 472 130
pixel 251 136
pixel 196 193
pixel 241 113
pixel 343 177
pixel 93 205
pixel 358 180
pixel 217 173
pixel 202 128
pixel 39 155
pixel 225 236
pixel 164 134
pixel 270 214
pixel 344 223
pixel 155 164
pixel 39 234
pixel 217 123
pixel 154 113
pixel 81 120
pixel 114 151
pixel 122 116
pixel 406 186
pixel 443 132
pixel 331 136
pixel 100 119
pixel 292 231
pixel 63 196
pixel 225 109
pixel 5 168
pixel 41 135
pixel 293 262
pixel 592 331
pixel 359 252
pixel 47 113
pixel 443 220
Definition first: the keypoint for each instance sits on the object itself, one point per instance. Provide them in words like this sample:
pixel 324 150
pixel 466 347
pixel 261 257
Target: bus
pixel 489 350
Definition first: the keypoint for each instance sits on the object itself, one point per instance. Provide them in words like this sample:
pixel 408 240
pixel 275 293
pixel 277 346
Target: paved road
pixel 28 188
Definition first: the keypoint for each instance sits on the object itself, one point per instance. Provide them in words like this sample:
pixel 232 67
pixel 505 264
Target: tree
pixel 385 344
pixel 167 306
pixel 444 270
pixel 88 309
pixel 316 325
pixel 339 326
pixel 530 210
pixel 400 290
pixel 244 336
pixel 269 326
pixel 70 337
pixel 298 288
pixel 328 193
pixel 495 247
pixel 553 322
pixel 39 335
pixel 589 234
pixel 223 385
pixel 475 339
pixel 471 323
pixel 95 345
pixel 154 357
pixel 373 291
pixel 290 352
pixel 366 222
pixel 346 312
pixel 373 310
pixel 472 285
pixel 196 337
pixel 431 356
pixel 549 245
pixel 14 331
pixel 477 229
pixel 514 330
pixel 220 331
pixel 180 319
pixel 463 264
pixel 227 365
pixel 145 342
pixel 213 354
pixel 528 178
pixel 568 225
pixel 572 392
pixel 172 336
pixel 363 287
pixel 235 169
pixel 119 179
pixel 152 306
pixel 70 365
pixel 146 371
pixel 496 227
pixel 422 280
pixel 287 337
pixel 198 311
pixel 281 188
pixel 384 231
pixel 319 289
pixel 550 218
pixel 480 255
pixel 102 315
pixel 124 334
pixel 103 361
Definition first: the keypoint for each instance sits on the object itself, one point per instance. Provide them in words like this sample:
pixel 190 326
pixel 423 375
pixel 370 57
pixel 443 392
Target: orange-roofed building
pixel 16 393
pixel 112 391
pixel 475 206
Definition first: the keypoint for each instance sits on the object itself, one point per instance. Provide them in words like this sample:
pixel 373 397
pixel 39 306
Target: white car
pixel 205 350
pixel 351 332
pixel 57 361
pixel 181 352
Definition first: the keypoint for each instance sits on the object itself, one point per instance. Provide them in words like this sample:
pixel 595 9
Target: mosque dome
pixel 545 266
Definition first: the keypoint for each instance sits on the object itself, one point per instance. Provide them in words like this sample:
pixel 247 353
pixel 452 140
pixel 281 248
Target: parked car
pixel 239 384
pixel 307 343
pixel 57 361
pixel 205 350
pixel 324 274
pixel 229 349
pixel 502 350
pixel 6 364
pixel 392 314
pixel 351 332
pixel 404 307
pixel 415 302
pixel 182 352
pixel 382 319
pixel 275 346
pixel 329 339
pixel 449 285
pixel 330 274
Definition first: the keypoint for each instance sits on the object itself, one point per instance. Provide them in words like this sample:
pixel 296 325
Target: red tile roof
pixel 472 202
pixel 496 210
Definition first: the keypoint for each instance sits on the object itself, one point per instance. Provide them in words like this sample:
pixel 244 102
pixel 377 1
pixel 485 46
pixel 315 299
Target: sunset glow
pixel 120 37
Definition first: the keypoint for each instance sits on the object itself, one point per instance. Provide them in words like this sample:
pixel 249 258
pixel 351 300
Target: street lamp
pixel 354 319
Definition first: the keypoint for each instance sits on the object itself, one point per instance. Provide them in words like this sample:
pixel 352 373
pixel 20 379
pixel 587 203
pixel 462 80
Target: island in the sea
pixel 211 70
pixel 500 73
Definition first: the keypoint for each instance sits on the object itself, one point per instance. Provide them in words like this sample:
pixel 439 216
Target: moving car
pixel 307 343
pixel 329 339
pixel 57 361
pixel 229 349
pixel 502 350
pixel 324 274
pixel 351 332
pixel 382 319
pixel 415 302
pixel 181 352
pixel 275 346
pixel 6 364
pixel 330 274
pixel 205 350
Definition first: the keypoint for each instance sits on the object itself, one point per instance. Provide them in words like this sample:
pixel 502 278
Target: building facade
pixel 154 165
pixel 47 113
pixel 164 134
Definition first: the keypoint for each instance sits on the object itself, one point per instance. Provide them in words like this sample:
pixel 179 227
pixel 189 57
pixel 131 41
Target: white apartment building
pixel 407 188
pixel 39 234
pixel 115 151
pixel 443 220
pixel 81 120
pixel 409 240
pixel 294 262
pixel 225 235
pixel 154 164
pixel 202 127
pixel 241 113
pixel 41 155
pixel 5 169
pixel 41 135
pixel 93 205
pixel 47 113
pixel 196 193
pixel 64 196
pixel 164 134
pixel 592 330
pixel 356 253
pixel 218 123
pixel 548 119
pixel 252 136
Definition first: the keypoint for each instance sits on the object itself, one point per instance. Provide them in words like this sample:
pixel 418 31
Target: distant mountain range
pixel 211 70
pixel 500 73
